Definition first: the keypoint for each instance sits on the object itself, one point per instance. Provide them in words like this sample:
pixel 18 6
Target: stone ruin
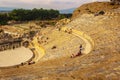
pixel 115 2
pixel 10 41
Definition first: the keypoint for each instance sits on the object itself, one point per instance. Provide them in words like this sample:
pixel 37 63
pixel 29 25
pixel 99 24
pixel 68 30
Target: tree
pixel 20 15
pixel 34 14
pixel 4 18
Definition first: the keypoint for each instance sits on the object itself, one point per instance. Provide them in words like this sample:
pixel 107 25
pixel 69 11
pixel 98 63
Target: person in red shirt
pixel 79 53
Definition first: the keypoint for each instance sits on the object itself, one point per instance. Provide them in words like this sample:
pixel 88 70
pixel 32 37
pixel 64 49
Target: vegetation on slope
pixel 3 19
pixel 27 15
pixel 34 14
pixel 92 8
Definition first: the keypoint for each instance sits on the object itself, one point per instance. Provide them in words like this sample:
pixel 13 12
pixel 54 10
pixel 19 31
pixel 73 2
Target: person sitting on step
pixel 79 53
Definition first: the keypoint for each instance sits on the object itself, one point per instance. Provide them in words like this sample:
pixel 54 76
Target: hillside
pixel 93 8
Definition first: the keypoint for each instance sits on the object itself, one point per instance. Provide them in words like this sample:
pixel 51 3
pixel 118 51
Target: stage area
pixel 14 57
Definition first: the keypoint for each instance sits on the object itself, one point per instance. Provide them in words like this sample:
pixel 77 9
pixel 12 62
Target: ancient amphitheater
pixel 14 50
pixel 100 37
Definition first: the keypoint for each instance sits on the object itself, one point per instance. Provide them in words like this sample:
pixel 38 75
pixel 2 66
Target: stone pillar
pixel 10 45
pixel 14 45
pixel 0 48
pixel 4 46
pixel 17 45
pixel 20 44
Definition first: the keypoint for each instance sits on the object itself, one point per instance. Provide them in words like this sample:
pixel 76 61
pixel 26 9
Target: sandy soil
pixel 14 57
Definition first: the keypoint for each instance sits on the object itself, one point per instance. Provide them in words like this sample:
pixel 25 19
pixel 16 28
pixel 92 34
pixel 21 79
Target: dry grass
pixel 93 8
